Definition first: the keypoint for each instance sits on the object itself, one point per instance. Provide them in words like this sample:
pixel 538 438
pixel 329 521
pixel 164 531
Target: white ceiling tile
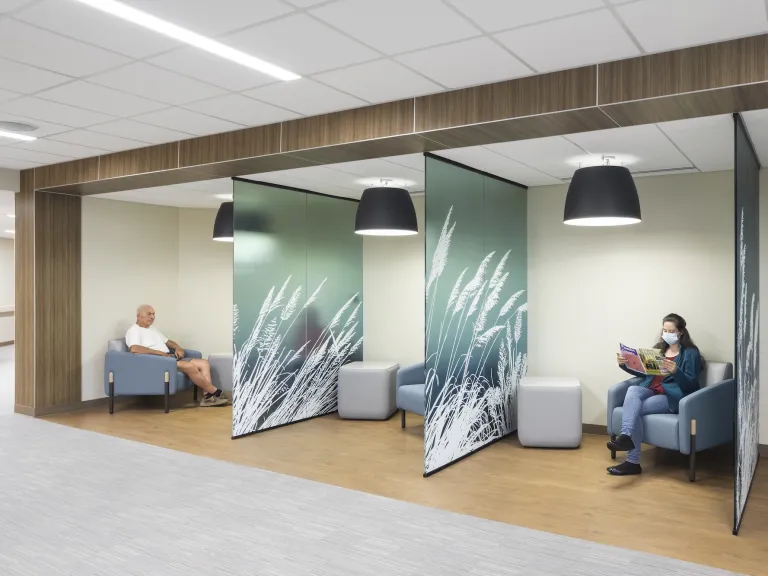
pixel 18 153
pixel 6 95
pixel 306 97
pixel 640 148
pixel 96 140
pixel 300 44
pixel 140 132
pixel 61 148
pixel 553 155
pixel 42 128
pixel 483 159
pixel 246 111
pixel 661 25
pixel 467 63
pixel 156 84
pixel 212 69
pixel 305 3
pixel 100 99
pixel 30 45
pixel 175 195
pixel 188 121
pixel 415 161
pixel 16 164
pixel 93 26
pixel 9 5
pixel 311 181
pixel 397 26
pixel 493 15
pixel 27 79
pixel 53 112
pixel 569 42
pixel 707 141
pixel 369 173
pixel 213 17
pixel 379 81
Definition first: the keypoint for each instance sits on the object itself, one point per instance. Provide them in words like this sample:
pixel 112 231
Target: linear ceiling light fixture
pixel 188 37
pixel 602 196
pixel 15 136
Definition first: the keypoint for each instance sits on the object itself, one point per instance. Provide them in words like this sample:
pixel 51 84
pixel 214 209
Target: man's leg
pixel 632 423
pixel 197 377
pixel 204 367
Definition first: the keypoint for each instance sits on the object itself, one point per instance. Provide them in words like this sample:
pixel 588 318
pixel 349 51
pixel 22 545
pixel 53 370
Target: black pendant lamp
pixel 385 211
pixel 602 196
pixel 224 226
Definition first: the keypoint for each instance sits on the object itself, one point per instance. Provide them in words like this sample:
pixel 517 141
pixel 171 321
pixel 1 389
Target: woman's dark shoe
pixel 625 469
pixel 622 444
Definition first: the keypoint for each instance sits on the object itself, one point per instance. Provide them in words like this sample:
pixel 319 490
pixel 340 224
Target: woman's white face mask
pixel 670 338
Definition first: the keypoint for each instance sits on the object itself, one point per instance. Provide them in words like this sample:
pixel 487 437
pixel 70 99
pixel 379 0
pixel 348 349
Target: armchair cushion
pixel 412 398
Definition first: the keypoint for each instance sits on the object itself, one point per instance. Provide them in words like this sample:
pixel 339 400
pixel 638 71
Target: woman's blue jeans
pixel 639 402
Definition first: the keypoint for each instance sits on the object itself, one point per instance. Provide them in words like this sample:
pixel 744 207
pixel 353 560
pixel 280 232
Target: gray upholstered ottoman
pixel 549 412
pixel 221 371
pixel 367 390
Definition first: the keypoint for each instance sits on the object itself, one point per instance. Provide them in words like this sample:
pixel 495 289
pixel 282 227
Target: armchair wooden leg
pixel 111 393
pixel 613 452
pixel 692 457
pixel 167 392
pixel 402 418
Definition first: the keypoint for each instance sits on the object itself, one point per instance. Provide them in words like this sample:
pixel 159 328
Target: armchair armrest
pixel 139 374
pixel 616 394
pixel 413 374
pixel 712 408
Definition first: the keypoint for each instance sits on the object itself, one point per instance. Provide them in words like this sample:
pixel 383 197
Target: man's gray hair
pixel 142 308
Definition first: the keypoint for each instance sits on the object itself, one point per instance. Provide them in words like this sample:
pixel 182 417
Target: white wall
pixel 591 287
pixel 205 284
pixel 130 256
pixel 7 295
pixel 393 295
pixel 764 309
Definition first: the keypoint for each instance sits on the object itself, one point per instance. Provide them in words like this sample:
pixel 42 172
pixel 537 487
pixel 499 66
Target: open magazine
pixel 644 360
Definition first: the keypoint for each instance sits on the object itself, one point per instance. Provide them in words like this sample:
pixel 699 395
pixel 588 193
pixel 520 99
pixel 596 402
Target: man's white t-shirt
pixel 148 337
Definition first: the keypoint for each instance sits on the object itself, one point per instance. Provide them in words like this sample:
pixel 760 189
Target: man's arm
pixel 136 349
pixel 179 351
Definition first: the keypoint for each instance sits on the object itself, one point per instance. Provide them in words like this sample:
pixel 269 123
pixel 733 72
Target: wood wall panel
pixel 691 105
pixel 542 94
pixel 379 121
pixel 247 143
pixel 58 333
pixel 24 246
pixel 140 161
pixel 730 63
pixel 85 170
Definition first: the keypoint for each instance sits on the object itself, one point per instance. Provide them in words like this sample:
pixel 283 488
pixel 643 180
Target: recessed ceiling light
pixel 9 126
pixel 223 196
pixel 15 136
pixel 188 37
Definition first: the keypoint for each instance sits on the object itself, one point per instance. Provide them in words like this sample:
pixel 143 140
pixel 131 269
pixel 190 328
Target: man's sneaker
pixel 214 401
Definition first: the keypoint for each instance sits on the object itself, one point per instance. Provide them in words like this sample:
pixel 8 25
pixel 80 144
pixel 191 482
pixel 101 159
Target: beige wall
pixel 589 288
pixel 7 296
pixel 205 284
pixel 393 295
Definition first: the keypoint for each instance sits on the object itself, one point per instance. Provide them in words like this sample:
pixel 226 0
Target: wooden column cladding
pixel 48 309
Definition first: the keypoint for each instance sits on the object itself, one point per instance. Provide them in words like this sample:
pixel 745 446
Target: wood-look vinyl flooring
pixel 566 492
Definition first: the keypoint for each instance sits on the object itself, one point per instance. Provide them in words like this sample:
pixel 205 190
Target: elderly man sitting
pixel 144 338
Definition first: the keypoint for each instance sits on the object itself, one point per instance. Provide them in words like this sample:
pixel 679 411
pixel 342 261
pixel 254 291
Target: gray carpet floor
pixel 82 504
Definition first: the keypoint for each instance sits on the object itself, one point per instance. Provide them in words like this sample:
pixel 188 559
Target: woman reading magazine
pixel 656 394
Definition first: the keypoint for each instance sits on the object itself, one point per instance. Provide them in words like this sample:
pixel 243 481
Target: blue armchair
pixel 705 418
pixel 127 374
pixel 411 390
